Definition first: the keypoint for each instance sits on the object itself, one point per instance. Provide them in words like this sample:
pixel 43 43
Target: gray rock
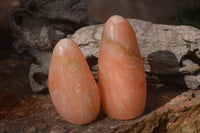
pixel 38 26
pixel 60 10
pixel 38 75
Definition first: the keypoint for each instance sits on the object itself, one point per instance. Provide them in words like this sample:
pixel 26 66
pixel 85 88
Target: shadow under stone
pixel 167 82
pixel 165 67
pixel 160 94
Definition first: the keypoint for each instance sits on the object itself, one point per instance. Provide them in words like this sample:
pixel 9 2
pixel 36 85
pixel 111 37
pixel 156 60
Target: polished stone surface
pixel 72 87
pixel 121 73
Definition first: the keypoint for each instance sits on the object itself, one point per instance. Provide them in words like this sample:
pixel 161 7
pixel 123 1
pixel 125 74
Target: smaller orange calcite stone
pixel 121 73
pixel 72 87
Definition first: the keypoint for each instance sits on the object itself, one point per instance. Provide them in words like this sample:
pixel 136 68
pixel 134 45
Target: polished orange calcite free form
pixel 72 87
pixel 121 73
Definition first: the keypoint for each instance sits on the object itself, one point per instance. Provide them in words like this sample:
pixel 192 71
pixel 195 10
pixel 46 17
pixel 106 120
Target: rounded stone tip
pixel 116 26
pixel 64 45
pixel 117 29
pixel 116 19
pixel 65 41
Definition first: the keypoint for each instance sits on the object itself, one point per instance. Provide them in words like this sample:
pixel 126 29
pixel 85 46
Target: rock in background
pixel 171 54
pixel 38 26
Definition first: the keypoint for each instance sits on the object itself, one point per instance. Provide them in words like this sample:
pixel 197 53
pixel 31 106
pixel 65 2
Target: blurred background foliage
pixel 189 14
pixel 175 12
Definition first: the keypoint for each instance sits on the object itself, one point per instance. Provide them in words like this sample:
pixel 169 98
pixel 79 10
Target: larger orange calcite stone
pixel 72 87
pixel 121 73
